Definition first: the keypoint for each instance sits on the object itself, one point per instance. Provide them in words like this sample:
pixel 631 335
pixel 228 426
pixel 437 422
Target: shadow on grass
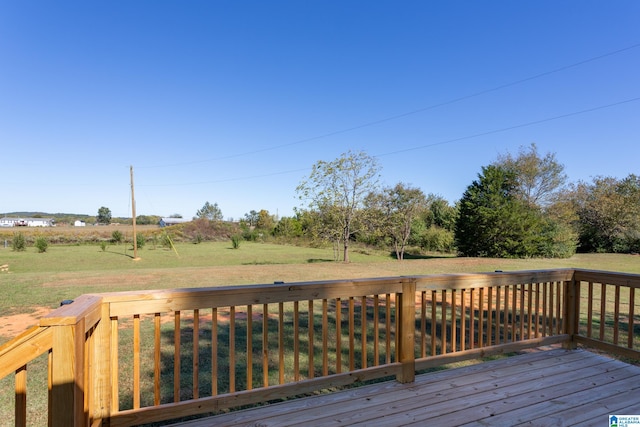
pixel 317 260
pixel 119 253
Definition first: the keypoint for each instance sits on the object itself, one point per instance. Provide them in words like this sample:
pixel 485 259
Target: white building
pixel 165 222
pixel 79 223
pixel 27 222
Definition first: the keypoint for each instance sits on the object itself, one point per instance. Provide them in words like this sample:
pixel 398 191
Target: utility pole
pixel 133 212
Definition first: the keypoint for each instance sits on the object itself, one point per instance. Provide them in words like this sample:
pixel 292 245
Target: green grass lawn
pixel 65 272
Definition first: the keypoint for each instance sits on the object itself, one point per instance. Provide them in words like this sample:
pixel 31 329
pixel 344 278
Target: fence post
pixel 67 375
pixel 406 309
pixel 571 312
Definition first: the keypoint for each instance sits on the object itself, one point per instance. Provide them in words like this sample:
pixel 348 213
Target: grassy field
pixel 37 280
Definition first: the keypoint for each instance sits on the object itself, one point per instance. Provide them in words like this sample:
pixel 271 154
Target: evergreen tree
pixel 494 222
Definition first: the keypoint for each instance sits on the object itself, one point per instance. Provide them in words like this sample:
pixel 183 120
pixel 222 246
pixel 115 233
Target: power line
pixel 406 114
pixel 521 125
pixel 420 147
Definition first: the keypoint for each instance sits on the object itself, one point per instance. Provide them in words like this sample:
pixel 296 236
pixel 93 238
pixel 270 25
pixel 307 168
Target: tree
pixel 537 178
pixel 251 218
pixel 493 221
pixel 338 189
pixel 397 209
pixel 609 214
pixel 210 212
pixel 265 220
pixel 104 215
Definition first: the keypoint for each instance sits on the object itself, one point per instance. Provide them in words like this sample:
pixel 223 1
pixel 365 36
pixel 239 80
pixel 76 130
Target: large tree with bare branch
pixel 341 187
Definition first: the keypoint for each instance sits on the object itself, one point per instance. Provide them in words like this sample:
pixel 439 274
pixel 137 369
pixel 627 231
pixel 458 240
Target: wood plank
pixel 474 391
pixel 311 409
pixel 553 399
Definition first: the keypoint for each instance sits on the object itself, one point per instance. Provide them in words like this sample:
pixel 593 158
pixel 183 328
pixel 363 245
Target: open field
pixel 38 282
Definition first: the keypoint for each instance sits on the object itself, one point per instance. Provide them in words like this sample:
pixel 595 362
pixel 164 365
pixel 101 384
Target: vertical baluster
pixel 434 322
pixel 249 367
pixel 232 349
pixel 616 315
pixel 376 330
pixel 281 342
pixel 296 342
pixel 472 318
pixel 176 356
pixel 505 316
pixel 136 361
pixel 630 327
pixel 443 321
pixel 115 343
pixel 498 316
pixel 463 320
pixel 590 309
pixel 325 337
pixel 489 315
pixel 529 310
pixel 156 358
pixel 265 345
pixel 388 326
pixel 603 307
pixel 423 324
pixel 311 350
pixel 214 351
pixel 454 320
pixel 552 318
pixel 517 321
pixel 559 300
pixel 338 335
pixel 352 356
pixel 363 332
pixel 21 396
pixel 196 354
pixel 481 318
pixel 537 317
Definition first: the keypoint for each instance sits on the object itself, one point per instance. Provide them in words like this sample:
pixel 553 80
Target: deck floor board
pixel 552 387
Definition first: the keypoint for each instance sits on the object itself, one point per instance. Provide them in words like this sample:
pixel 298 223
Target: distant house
pixel 79 223
pixel 27 222
pixel 165 222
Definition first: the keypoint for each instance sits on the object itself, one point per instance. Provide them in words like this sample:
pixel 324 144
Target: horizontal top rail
pixel 609 277
pixel 497 278
pixel 128 303
pixel 24 348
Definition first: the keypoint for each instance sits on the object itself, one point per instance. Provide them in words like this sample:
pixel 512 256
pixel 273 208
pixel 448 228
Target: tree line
pixel 521 205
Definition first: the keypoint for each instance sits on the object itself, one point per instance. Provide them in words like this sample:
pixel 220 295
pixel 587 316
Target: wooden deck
pixel 541 388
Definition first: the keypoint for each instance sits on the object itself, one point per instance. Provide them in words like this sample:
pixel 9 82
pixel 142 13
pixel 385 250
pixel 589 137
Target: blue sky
pixel 232 102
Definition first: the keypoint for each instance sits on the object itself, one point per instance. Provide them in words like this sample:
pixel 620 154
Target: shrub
pixel 103 245
pixel 116 236
pixel 235 241
pixel 140 241
pixel 19 243
pixel 42 244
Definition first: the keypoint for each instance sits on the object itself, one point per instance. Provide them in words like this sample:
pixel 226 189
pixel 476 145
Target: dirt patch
pixel 12 325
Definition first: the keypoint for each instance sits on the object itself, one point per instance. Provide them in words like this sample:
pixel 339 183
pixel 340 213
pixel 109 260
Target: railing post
pixel 67 375
pixel 571 311
pixel 405 309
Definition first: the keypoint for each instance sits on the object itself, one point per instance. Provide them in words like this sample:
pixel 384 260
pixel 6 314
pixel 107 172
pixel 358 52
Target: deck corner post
pixel 67 376
pixel 571 312
pixel 406 331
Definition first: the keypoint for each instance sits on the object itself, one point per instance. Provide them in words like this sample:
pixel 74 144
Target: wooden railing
pixel 129 358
